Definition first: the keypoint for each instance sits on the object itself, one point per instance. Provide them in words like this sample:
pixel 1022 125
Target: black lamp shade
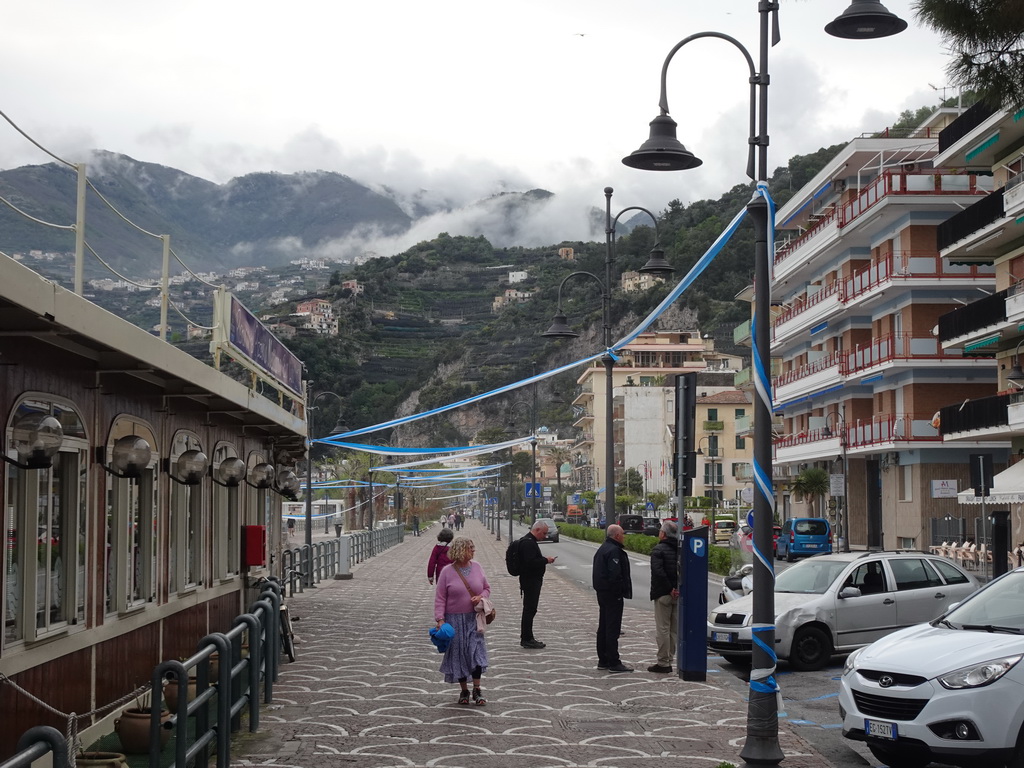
pixel 866 20
pixel 662 151
pixel 657 265
pixel 261 476
pixel 190 467
pixel 560 329
pixel 231 471
pixel 1016 374
pixel 130 455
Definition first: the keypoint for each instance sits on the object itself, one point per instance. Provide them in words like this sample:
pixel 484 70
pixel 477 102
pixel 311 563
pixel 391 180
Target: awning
pixel 1007 488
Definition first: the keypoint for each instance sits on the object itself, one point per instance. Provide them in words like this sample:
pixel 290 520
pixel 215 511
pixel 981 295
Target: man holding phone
pixel 532 565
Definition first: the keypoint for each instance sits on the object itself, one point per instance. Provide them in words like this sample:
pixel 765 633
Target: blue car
pixel 803 537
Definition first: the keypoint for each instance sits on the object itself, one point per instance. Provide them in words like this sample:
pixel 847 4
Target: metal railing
pixel 34 744
pixel 970 220
pixel 334 558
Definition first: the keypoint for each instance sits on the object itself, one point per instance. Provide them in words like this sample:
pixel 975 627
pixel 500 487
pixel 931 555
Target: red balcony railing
pixel 881 430
pixel 822 363
pixel 894 347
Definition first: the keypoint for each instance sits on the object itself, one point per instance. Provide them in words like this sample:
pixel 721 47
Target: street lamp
pixel 656 265
pixel 533 453
pixel 864 19
pixel 310 408
pixel 838 422
pixel 643 480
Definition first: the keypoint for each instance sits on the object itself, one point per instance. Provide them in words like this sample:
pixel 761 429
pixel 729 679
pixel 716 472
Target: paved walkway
pixel 366 691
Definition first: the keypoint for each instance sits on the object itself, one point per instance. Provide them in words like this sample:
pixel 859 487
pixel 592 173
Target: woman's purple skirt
pixel 467 650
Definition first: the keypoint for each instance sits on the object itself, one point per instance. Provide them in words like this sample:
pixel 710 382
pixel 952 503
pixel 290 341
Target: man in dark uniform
pixel 532 565
pixel 613 585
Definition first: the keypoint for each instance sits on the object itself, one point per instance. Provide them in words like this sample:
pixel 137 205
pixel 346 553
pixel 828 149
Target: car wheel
pixel 898 759
pixel 739 661
pixel 812 648
pixel 789 556
pixel 555 540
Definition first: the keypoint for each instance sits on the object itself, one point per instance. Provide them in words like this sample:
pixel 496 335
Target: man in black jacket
pixel 665 594
pixel 613 585
pixel 531 578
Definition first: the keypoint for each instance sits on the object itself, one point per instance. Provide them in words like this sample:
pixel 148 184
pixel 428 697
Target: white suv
pixel 951 690
pixel 837 603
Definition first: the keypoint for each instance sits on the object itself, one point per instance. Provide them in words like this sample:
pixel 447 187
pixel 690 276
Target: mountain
pixel 253 220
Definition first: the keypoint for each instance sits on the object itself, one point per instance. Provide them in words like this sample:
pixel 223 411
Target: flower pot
pixel 132 728
pixel 101 760
pixel 171 692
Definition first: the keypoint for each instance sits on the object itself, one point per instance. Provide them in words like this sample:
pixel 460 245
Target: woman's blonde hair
pixel 461 550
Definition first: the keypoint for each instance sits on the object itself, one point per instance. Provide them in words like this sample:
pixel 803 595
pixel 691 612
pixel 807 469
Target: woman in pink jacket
pixel 439 556
pixel 460 587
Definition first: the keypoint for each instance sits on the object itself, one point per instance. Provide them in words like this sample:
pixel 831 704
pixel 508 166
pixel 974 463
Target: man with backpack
pixel 524 559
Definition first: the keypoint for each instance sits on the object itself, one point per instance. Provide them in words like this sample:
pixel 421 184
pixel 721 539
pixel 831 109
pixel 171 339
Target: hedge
pixel 719 558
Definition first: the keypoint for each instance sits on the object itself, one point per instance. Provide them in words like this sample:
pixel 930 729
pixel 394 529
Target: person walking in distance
pixel 613 585
pixel 532 565
pixel 439 557
pixel 665 594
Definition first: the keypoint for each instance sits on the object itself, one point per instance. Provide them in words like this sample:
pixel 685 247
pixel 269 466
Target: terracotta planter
pixel 132 728
pixel 101 760
pixel 171 693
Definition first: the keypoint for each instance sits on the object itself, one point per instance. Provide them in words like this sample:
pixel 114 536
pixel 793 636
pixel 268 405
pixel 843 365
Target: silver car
pixel 837 603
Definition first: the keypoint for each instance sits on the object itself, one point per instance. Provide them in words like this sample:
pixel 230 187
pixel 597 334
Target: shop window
pixel 186 467
pixel 131 533
pixel 228 475
pixel 44 520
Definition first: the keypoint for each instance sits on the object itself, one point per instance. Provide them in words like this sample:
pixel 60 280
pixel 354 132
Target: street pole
pixel 609 366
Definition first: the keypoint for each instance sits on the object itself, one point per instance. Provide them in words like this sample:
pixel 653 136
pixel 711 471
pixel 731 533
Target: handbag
pixel 493 613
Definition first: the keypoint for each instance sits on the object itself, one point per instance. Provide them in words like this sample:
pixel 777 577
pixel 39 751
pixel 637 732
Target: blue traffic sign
pixel 650 506
pixel 532 490
pixel 750 518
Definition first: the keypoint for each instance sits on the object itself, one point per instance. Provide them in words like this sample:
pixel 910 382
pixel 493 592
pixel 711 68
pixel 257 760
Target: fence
pixel 207 716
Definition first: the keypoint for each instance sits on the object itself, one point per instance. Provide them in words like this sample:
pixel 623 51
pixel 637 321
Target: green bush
pixel 719 558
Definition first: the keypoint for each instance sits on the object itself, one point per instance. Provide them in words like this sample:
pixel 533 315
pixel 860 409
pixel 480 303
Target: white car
pixel 951 690
pixel 837 603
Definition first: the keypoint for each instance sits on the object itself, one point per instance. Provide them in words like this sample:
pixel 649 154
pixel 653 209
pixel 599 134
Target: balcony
pixel 897 348
pixel 714 426
pixel 1013 196
pixel 583 439
pixel 878 432
pixel 963 125
pixel 971 220
pixel 741 334
pixel 891 184
pixel 981 315
pixel 1000 415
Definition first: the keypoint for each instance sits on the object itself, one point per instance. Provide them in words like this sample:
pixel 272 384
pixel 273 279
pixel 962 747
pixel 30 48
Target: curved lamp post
pixel 533 455
pixel 656 265
pixel 310 408
pixel 863 19
pixel 836 421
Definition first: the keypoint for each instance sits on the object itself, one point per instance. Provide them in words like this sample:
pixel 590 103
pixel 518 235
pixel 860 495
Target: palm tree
pixel 560 455
pixel 812 483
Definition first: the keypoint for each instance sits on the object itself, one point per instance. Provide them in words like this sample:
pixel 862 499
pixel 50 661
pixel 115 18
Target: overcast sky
pixel 464 98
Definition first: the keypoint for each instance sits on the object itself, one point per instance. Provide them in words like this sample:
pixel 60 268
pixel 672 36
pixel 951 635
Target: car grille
pixel 730 619
pixel 900 680
pixel 888 707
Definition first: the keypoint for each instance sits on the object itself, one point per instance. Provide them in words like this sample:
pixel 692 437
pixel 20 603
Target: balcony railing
pixel 809 301
pixel 894 347
pixel 967 122
pixel 983 313
pixel 970 220
pixel 882 429
pixel 888 184
pixel 822 363
pixel 981 413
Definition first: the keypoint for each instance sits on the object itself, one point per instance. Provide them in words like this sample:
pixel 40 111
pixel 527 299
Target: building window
pixel 741 443
pixel 187 525
pixel 130 528
pixel 906 479
pixel 44 524
pixel 712 414
pixel 741 412
pixel 226 518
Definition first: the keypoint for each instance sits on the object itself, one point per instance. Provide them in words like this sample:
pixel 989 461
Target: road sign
pixel 650 506
pixel 531 490
pixel 750 518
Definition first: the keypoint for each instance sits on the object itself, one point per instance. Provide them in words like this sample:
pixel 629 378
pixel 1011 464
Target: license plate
pixel 723 637
pixel 880 730
pixel 813 546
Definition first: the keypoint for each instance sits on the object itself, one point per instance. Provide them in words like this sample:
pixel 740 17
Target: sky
pixel 455 99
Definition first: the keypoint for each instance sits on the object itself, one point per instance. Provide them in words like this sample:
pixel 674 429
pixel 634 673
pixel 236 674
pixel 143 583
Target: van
pixel 631 523
pixel 724 529
pixel 802 537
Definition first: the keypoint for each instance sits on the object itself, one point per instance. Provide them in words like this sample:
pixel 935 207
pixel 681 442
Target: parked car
pixel 552 529
pixel 802 537
pixel 652 525
pixel 837 603
pixel 631 523
pixel 776 530
pixel 724 529
pixel 947 691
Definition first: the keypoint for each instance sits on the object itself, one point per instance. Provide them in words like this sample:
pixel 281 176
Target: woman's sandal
pixel 478 697
pixel 464 697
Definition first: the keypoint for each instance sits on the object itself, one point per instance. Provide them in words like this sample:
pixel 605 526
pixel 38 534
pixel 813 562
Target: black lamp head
pixel 656 264
pixel 865 20
pixel 662 151
pixel 560 328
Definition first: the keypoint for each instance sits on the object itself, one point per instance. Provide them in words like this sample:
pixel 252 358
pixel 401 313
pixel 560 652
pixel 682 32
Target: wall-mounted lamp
pixel 1016 375
pixel 261 476
pixel 37 438
pixel 189 467
pixel 288 484
pixel 230 473
pixel 129 456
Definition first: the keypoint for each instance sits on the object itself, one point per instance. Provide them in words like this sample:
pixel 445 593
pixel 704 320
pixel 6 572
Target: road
pixel 809 698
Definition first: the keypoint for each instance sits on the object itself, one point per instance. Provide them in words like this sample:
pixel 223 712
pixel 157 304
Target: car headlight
pixel 978 675
pixel 851 662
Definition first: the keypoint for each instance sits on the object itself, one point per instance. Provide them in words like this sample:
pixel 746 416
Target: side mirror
pixel 846 592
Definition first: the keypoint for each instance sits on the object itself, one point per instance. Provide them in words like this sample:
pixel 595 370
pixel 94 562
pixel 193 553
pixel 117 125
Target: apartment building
pixel 989 234
pixel 860 285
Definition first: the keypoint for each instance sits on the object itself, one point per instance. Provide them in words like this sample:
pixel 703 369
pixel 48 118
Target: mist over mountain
pixel 259 218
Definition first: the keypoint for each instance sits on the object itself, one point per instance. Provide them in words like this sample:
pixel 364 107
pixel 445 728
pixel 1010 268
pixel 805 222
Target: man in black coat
pixel 613 585
pixel 532 565
pixel 665 594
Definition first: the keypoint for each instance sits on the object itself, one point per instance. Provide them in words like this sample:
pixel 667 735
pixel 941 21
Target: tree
pixel 658 498
pixel 632 483
pixel 813 483
pixel 522 464
pixel 986 38
pixel 559 455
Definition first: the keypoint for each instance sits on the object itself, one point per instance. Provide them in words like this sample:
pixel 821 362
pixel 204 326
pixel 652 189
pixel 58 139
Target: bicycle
pixel 285 620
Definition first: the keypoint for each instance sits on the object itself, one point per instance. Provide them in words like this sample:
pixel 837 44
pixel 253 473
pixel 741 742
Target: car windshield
pixel 999 607
pixel 811 576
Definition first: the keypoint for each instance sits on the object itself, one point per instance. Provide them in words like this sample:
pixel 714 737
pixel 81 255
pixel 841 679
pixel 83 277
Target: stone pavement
pixel 365 690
